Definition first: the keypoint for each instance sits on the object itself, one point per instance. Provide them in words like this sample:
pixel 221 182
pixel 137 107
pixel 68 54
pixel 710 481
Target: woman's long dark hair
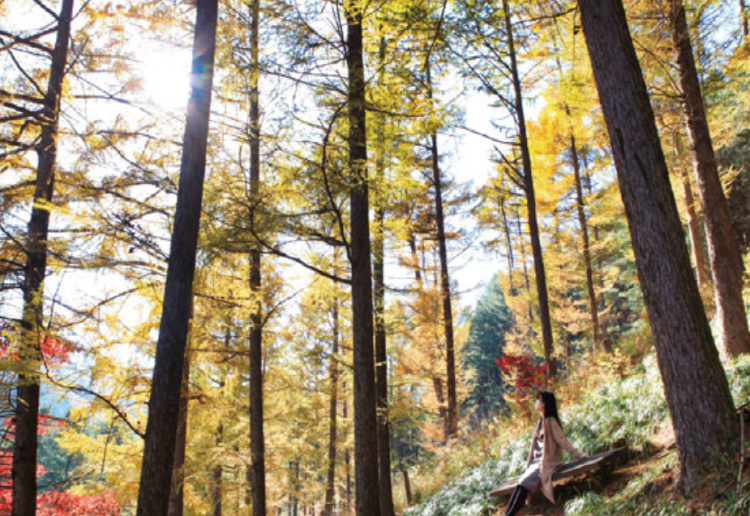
pixel 550 405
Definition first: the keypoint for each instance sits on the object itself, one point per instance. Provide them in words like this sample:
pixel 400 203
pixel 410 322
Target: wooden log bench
pixel 569 469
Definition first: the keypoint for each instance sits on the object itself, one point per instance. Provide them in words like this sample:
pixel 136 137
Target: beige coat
pixel 552 458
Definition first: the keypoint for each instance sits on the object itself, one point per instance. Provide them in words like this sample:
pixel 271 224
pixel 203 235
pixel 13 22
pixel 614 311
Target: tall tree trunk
pixel 700 255
pixel 527 285
pixel 218 470
pixel 365 416
pixel 696 387
pixel 509 244
pixel 347 487
pixel 334 375
pixel 177 490
pixel 745 20
pixel 593 306
pixel 437 384
pixel 726 260
pixel 528 180
pixel 511 265
pixel 445 282
pixel 27 395
pixel 407 487
pixel 606 343
pixel 415 259
pixel 295 498
pixel 257 443
pixel 161 430
pixel 348 498
pixel 381 355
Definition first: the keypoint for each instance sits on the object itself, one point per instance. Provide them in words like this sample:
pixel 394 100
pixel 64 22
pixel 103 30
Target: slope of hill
pixel 630 412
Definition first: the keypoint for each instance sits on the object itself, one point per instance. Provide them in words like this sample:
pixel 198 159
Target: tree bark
pixel 528 183
pixel 445 283
pixel 177 489
pixel 333 372
pixel 437 384
pixel 606 343
pixel 295 499
pixel 726 259
pixel 365 416
pixel 527 285
pixel 26 443
pixel 415 259
pixel 745 21
pixel 347 496
pixel 407 488
pixel 509 244
pixel 257 442
pixel 218 470
pixel 696 387
pixel 700 255
pixel 381 354
pixel 161 429
pixel 593 306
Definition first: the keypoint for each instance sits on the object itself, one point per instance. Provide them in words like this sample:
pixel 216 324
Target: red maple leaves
pixel 54 352
pixel 63 503
pixel 49 503
pixel 524 372
pixel 526 378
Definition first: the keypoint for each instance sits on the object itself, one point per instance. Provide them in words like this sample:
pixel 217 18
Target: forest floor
pixel 645 475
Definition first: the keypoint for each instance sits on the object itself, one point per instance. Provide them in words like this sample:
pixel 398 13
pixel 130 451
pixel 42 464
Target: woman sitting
pixel 545 456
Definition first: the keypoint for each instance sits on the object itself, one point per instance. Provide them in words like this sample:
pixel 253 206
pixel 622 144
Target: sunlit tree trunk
pixel 696 387
pixel 726 259
pixel 161 430
pixel 26 443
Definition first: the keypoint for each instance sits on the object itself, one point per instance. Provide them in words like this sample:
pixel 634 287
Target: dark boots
pixel 517 499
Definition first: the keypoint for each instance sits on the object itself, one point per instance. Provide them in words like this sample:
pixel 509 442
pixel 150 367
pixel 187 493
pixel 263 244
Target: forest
pixel 320 257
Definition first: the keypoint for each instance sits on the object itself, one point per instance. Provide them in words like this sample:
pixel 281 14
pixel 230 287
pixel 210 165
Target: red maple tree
pixel 526 378
pixel 54 352
pixel 52 502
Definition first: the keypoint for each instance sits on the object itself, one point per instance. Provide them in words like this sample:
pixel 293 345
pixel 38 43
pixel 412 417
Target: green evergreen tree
pixel 490 321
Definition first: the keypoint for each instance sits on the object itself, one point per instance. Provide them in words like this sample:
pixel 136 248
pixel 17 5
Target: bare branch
pixel 46 9
pixel 29 41
pixel 101 398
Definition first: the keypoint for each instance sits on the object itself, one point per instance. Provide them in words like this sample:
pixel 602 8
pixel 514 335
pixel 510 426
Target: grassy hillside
pixel 629 411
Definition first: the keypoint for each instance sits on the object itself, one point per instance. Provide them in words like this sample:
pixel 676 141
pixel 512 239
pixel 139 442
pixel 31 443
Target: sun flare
pixel 166 78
